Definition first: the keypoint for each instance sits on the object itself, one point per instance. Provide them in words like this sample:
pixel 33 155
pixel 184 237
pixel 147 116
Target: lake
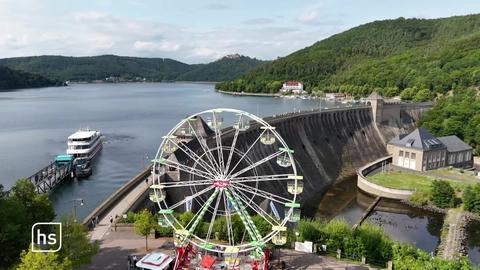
pixel 133 117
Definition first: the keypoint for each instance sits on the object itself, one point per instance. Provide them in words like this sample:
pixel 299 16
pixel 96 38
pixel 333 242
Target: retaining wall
pixel 103 208
pixel 377 190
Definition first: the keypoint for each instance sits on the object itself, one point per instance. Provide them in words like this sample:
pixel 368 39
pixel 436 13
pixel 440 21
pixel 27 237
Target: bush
pixel 310 230
pixel 471 198
pixel 442 194
pixel 420 197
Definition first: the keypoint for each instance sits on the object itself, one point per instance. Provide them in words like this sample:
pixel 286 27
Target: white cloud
pixel 95 32
pixel 309 17
pixel 156 46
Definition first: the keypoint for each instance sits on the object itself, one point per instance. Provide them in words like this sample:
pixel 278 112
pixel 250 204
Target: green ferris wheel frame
pixel 229 187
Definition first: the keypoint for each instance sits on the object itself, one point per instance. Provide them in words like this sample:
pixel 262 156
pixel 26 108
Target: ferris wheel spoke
pixel 245 154
pixel 188 169
pixel 218 141
pixel 214 215
pixel 262 178
pixel 232 147
pixel 228 217
pixel 256 164
pixel 261 193
pixel 205 190
pixel 186 183
pixel 244 216
pixel 191 154
pixel 206 149
pixel 254 206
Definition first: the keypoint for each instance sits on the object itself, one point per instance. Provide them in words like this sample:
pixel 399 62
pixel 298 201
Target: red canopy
pixel 207 262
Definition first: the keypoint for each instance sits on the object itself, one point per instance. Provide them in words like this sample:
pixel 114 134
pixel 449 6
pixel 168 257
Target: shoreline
pixel 247 94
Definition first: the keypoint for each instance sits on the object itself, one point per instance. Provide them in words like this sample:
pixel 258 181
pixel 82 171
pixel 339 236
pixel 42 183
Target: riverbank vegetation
pixel 394 57
pixel 366 241
pixel 20 208
pixel 14 79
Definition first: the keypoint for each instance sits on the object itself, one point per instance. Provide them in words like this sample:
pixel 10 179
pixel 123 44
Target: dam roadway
pixel 329 144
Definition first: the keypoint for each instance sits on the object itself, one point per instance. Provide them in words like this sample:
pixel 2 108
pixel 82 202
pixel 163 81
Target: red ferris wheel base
pixel 182 259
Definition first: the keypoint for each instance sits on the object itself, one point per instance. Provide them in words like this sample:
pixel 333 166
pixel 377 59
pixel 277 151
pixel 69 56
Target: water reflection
pixel 473 242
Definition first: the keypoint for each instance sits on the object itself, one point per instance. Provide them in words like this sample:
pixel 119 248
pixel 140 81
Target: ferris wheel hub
pixel 221 183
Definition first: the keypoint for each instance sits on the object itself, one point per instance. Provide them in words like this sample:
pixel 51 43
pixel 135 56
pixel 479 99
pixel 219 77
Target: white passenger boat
pixel 84 144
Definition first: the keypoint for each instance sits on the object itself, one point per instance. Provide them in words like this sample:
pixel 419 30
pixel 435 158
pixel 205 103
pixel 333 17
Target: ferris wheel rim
pixel 246 246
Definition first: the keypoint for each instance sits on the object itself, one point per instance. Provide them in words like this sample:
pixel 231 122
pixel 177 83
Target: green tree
pixel 76 245
pixel 423 95
pixel 19 210
pixel 144 224
pixel 42 261
pixel 442 194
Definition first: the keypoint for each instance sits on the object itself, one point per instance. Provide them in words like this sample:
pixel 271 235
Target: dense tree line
pixel 456 114
pixel 392 56
pixel 13 79
pixel 131 68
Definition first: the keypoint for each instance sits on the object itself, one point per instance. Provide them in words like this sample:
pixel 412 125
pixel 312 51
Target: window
pixel 400 153
pixel 413 156
pixel 468 156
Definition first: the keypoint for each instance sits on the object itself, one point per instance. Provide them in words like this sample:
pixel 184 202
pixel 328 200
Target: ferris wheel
pixel 201 161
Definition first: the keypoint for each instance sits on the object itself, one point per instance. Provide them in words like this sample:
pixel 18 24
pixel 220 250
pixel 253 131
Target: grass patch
pixel 409 181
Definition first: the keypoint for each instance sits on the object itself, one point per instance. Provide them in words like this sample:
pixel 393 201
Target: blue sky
pixel 194 31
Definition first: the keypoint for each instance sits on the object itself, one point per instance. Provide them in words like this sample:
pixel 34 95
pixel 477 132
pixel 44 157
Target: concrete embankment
pixel 127 197
pixel 377 190
pixel 328 144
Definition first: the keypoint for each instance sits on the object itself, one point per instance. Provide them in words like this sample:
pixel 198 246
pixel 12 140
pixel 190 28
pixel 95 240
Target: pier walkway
pixel 118 203
pixel 452 244
pixel 50 176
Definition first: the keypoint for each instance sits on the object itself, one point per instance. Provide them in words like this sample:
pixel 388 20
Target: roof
pixel 419 139
pixel 82 134
pixel 64 158
pixel 293 83
pixel 375 95
pixel 454 144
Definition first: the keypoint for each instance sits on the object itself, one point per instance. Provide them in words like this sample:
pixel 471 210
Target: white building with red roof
pixel 293 87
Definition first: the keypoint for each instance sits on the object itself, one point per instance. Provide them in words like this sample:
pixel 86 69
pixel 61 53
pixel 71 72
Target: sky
pixel 194 31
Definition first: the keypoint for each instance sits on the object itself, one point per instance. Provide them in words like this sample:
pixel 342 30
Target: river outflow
pixel 401 222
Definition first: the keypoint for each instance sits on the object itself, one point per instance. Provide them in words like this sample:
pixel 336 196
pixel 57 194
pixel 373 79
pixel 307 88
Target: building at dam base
pixel 421 151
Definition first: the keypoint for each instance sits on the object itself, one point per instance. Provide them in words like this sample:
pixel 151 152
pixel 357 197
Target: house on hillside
pixel 421 151
pixel 292 87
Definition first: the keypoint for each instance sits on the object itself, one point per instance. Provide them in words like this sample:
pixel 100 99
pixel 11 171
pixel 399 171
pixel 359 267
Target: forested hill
pixel 13 79
pixel 391 55
pixel 226 68
pixel 130 68
pixel 98 67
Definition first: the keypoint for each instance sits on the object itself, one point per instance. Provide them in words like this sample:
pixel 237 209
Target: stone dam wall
pixel 329 145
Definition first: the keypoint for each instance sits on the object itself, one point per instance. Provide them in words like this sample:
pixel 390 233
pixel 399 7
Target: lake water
pixel 35 123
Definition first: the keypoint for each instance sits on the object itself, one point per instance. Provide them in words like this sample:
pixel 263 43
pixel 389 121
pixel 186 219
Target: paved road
pixel 104 225
pixel 116 246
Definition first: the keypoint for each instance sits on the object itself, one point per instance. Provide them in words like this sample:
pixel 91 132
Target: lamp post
pixel 75 207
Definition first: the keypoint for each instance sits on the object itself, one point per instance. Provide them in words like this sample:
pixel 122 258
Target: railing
pixel 48 177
